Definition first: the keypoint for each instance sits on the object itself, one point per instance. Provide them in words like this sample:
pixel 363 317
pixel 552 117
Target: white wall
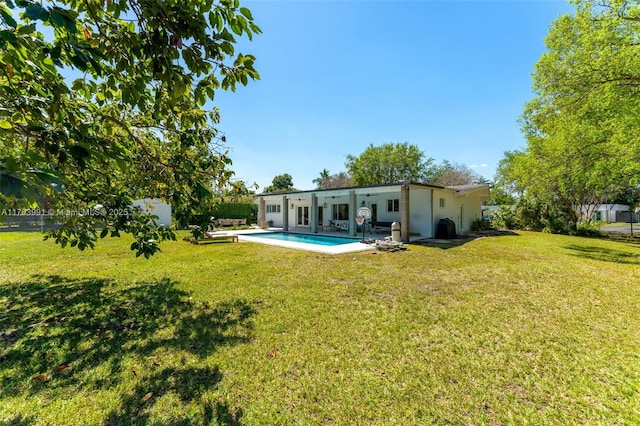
pixel 155 207
pixel 382 201
pixel 420 220
pixel 472 210
pixel 451 208
pixel 276 218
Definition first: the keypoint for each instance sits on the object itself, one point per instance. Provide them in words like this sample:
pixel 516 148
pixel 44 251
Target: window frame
pixel 273 208
pixel 393 205
pixel 340 211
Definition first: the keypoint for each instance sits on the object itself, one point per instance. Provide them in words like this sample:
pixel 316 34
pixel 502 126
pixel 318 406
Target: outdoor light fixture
pixel 324 205
pixel 363 203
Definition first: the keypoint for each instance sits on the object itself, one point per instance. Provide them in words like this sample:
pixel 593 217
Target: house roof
pixel 458 189
pixel 471 188
pixel 348 188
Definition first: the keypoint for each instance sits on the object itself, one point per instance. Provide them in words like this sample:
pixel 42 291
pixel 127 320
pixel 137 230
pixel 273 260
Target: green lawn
pixel 516 329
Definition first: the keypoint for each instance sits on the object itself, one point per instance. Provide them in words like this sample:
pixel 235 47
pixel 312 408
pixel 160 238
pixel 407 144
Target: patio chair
pixel 212 236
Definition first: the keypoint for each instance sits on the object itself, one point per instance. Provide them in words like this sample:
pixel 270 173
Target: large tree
pixel 452 174
pixel 582 129
pixel 322 179
pixel 338 180
pixel 281 183
pixel 104 101
pixel 328 181
pixel 389 163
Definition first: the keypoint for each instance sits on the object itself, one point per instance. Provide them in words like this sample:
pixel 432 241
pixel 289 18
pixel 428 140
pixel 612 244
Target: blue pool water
pixel 321 240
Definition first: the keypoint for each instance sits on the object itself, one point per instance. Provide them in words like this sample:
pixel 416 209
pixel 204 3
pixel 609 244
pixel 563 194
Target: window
pixel 340 212
pixel 442 203
pixel 393 205
pixel 273 208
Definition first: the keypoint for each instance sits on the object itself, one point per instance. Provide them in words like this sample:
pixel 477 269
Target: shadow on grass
pixel 58 335
pixel 18 420
pixel 626 239
pixel 461 239
pixel 605 255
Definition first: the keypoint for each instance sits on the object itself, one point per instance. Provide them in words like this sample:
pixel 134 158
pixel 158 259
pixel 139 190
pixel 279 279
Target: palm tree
pixel 323 179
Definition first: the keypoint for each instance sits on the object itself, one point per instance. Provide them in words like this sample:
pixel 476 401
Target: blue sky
pixel 451 77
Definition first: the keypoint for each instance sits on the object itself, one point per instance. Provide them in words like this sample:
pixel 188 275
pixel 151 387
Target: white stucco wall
pixel 155 207
pixel 275 217
pixel 472 210
pixel 420 220
pixel 451 209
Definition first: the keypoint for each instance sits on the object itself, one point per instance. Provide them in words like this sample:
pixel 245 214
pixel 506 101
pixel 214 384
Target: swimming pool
pixel 322 240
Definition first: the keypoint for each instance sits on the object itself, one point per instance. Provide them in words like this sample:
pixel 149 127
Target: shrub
pixel 589 229
pixel 481 225
pixel 236 211
pixel 505 218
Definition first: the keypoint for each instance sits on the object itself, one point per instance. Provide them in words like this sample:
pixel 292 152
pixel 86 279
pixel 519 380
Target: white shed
pixel 606 212
pixel 157 207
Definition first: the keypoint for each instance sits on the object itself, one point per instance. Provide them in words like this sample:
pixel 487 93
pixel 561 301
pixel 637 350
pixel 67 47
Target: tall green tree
pixel 582 131
pixel 389 163
pixel 135 122
pixel 322 180
pixel 281 183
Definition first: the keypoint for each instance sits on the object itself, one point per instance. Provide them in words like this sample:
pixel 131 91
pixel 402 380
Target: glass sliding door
pixel 303 216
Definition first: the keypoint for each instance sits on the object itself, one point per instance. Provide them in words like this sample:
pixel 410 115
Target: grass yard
pixel 520 329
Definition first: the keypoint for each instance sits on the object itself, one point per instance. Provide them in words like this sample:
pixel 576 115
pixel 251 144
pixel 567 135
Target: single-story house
pixel 417 207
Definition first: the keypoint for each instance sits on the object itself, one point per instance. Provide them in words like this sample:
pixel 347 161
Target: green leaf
pixel 79 63
pixel 227 48
pixel 11 186
pixel 49 177
pixel 219 22
pixel 246 12
pixel 104 232
pixel 55 52
pixel 236 27
pixel 6 16
pixel 56 18
pixel 27 29
pixel 33 11
pixel 8 36
pixel 4 124
pixel 71 25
